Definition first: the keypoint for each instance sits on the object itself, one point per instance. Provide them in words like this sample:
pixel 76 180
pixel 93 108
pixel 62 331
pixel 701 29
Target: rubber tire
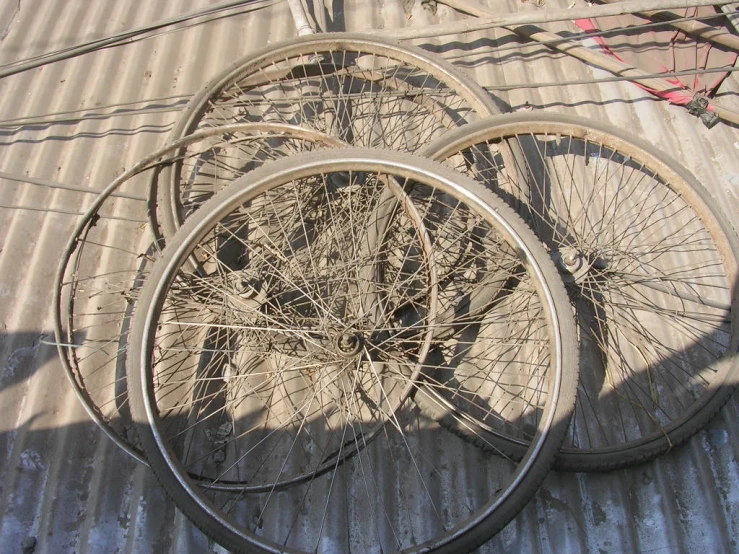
pixel 173 477
pixel 719 391
pixel 480 100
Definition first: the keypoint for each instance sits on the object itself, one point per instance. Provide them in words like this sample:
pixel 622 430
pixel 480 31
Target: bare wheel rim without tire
pixel 651 270
pixel 363 90
pixel 108 256
pixel 396 479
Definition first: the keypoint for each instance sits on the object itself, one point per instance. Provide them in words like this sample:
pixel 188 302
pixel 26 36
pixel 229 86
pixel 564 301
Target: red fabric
pixel 664 49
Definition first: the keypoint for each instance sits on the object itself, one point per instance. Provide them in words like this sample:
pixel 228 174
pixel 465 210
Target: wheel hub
pixel 574 265
pixel 349 343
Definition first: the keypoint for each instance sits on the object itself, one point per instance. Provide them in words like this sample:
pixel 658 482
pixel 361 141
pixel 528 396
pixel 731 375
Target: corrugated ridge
pixel 65 484
pixel 40 465
pixel 60 510
pixel 673 504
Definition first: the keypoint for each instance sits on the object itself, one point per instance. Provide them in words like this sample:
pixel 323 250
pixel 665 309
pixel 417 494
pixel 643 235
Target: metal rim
pixel 504 133
pixel 167 465
pixel 66 271
pixel 258 64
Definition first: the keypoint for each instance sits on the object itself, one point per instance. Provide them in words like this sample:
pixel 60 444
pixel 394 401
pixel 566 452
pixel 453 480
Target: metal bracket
pixel 698 107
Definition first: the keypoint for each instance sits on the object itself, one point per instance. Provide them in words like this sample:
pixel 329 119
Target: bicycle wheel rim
pixel 473 530
pixel 659 187
pixel 423 96
pixel 99 383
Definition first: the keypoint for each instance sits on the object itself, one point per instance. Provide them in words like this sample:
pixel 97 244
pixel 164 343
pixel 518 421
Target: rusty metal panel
pixel 64 487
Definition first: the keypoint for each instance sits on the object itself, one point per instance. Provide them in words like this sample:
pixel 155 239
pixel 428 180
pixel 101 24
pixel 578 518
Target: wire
pixel 114 40
pixel 486 19
pixel 67 212
pixel 84 115
pixel 181 100
pixel 60 186
pixel 585 36
pixel 589 35
pixel 136 32
pixel 613 79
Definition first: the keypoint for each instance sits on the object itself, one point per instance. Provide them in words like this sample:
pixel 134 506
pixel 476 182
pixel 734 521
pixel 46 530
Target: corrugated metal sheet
pixel 72 490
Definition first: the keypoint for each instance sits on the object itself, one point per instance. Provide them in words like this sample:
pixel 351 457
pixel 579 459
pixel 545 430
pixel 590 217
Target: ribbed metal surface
pixel 66 485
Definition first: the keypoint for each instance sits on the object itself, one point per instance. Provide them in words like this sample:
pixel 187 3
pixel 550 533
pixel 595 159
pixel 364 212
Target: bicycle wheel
pixel 650 265
pixel 349 318
pixel 104 265
pixel 363 90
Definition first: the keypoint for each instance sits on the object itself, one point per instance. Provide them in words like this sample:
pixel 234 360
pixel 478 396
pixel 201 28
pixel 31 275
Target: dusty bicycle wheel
pixel 650 265
pixel 106 259
pixel 364 90
pixel 346 308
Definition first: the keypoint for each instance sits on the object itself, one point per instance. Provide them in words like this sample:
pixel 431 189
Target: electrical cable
pixel 86 115
pixel 68 212
pixel 42 120
pixel 486 22
pixel 92 46
pixel 709 112
pixel 60 186
pixel 599 33
pixel 611 79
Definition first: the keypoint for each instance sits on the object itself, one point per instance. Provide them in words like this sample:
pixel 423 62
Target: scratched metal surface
pixel 84 121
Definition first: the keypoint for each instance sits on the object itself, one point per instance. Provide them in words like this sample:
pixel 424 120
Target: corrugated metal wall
pixel 84 121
